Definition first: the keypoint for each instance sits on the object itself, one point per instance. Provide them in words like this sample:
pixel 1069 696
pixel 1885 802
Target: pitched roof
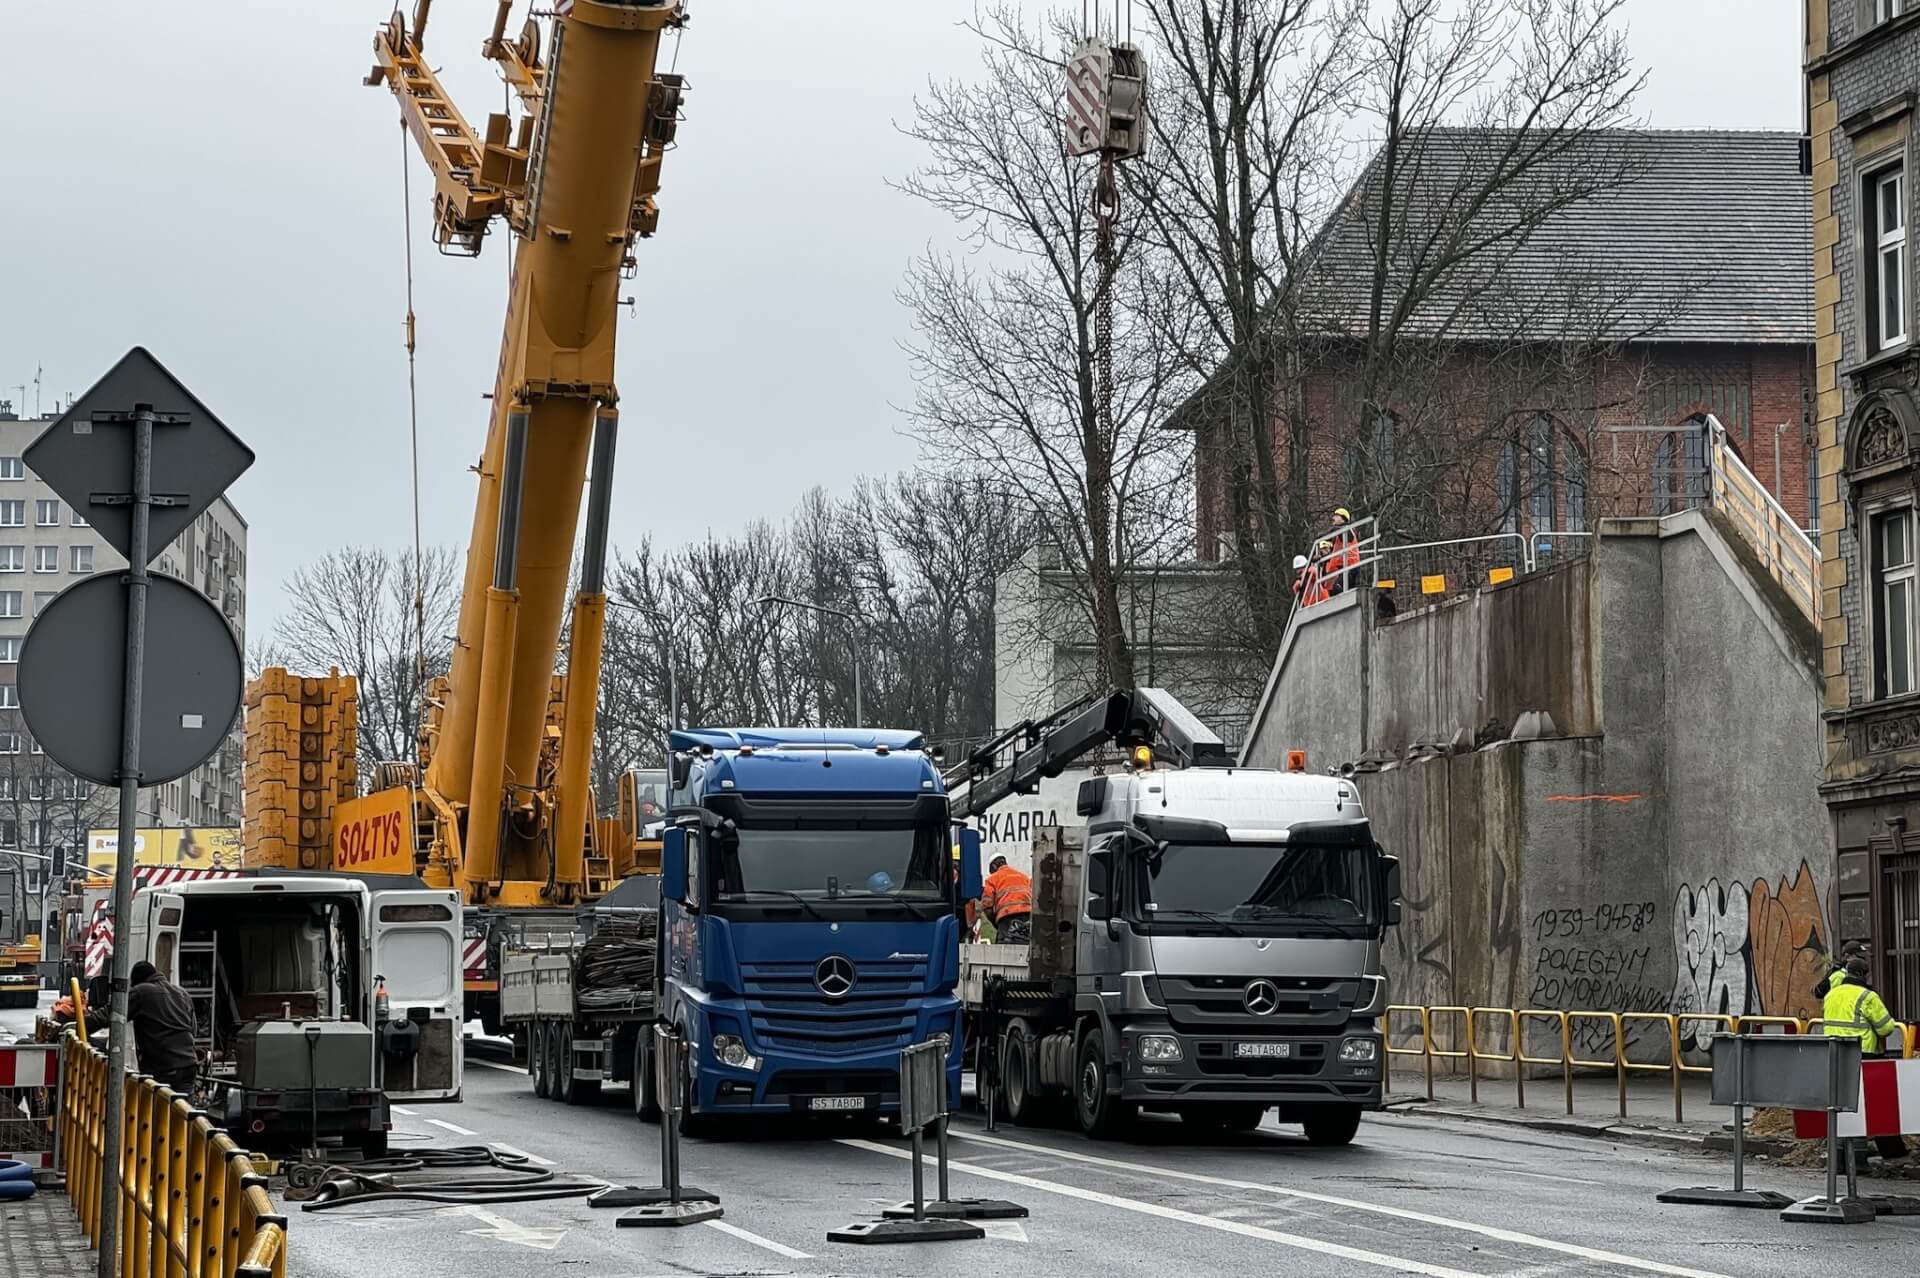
pixel 1695 237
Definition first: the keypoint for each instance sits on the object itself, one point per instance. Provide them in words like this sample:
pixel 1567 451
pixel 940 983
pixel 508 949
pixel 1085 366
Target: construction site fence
pixel 191 1204
pixel 1492 1042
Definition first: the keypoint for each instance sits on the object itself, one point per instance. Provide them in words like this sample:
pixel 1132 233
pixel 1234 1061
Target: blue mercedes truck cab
pixel 810 896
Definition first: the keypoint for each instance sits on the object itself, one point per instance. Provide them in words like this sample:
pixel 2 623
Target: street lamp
pixel 859 719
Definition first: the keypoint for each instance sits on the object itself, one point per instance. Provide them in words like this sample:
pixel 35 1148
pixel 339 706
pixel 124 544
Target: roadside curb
pixel 1622 1133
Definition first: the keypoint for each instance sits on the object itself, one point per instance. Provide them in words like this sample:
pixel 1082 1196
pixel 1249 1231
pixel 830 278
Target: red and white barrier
pixel 1889 1104
pixel 474 958
pixel 29 1065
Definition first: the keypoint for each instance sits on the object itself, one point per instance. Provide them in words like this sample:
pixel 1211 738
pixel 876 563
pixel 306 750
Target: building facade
pixel 1863 74
pixel 46 546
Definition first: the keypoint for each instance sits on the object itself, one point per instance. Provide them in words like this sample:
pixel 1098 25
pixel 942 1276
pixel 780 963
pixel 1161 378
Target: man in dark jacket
pixel 1838 964
pixel 162 1018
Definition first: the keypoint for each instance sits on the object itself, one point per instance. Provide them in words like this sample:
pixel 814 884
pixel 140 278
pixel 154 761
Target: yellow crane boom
pixel 504 806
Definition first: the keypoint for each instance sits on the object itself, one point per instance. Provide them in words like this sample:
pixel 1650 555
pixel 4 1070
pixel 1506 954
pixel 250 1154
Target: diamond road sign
pixel 88 459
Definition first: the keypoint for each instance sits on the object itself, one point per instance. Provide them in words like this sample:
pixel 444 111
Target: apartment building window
pixel 1888 10
pixel 77 519
pixel 1893 587
pixel 36 787
pixel 37 833
pixel 41 598
pixel 13 558
pixel 1887 299
pixel 9 652
pixel 12 468
pixel 9 744
pixel 9 603
pixel 10 833
pixel 13 514
pixel 46 559
pixel 82 559
pixel 9 696
pixel 46 514
pixel 34 747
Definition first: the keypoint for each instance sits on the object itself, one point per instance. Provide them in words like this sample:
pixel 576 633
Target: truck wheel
pixel 560 1052
pixel 1101 1116
pixel 1330 1124
pixel 691 1124
pixel 646 1104
pixel 1015 1097
pixel 537 1059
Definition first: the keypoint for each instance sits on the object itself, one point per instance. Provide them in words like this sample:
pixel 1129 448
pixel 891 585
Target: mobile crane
pixel 1140 989
pixel 499 805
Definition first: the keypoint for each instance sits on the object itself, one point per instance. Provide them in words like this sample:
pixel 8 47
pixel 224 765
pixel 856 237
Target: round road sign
pixel 73 674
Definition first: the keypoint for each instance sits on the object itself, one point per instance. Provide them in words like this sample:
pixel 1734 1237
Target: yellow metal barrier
pixel 191 1204
pixel 1386 1083
pixel 1445 1054
pixel 1726 1024
pixel 1475 1055
pixel 1564 1060
pixel 1619 1062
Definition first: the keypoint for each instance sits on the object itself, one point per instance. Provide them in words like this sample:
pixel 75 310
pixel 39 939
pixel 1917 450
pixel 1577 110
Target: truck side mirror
pixel 673 864
pixel 970 885
pixel 1390 881
pixel 1100 885
pixel 680 767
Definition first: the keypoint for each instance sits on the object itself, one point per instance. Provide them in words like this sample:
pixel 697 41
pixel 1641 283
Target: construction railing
pixel 1426 571
pixel 191 1204
pixel 1787 553
pixel 1473 1035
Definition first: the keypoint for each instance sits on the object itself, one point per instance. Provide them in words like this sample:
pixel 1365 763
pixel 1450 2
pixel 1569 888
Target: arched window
pixel 1680 468
pixel 1543 478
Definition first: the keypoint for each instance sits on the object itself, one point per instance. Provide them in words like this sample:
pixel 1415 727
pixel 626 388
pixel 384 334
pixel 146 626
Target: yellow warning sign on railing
pixel 1497 575
pixel 1433 585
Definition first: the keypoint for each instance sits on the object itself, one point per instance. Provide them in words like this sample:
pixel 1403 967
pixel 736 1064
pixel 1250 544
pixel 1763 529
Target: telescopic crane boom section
pixel 1030 751
pixel 506 789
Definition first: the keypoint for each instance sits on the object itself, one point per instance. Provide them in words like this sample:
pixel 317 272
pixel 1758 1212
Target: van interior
pixel 258 957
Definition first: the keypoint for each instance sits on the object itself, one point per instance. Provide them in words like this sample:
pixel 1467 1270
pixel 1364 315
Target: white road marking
pixel 505 1069
pixel 1401 1213
pixel 499 1227
pixel 403 1111
pixel 455 1128
pixel 1396 1264
pixel 1013 1231
pixel 778 1249
pixel 535 1159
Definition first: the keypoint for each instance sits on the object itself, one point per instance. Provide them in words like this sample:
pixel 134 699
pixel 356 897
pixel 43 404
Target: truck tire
pixel 1102 1116
pixel 1015 1097
pixel 691 1124
pixel 646 1104
pixel 1330 1124
pixel 561 1053
pixel 537 1059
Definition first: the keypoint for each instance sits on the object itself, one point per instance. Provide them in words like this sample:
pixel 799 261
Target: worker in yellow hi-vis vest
pixel 1852 1010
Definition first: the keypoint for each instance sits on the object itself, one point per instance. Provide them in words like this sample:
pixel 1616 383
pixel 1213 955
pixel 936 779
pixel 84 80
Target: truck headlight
pixel 1360 1050
pixel 728 1049
pixel 1160 1048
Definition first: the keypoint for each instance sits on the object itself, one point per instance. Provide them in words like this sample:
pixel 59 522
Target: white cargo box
pixel 978 962
pixel 536 985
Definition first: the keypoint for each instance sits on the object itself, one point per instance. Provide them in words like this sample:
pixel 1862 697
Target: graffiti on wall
pixel 1747 950
pixel 1595 958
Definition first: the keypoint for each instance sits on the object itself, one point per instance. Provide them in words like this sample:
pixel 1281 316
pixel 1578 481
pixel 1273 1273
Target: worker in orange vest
pixel 1007 899
pixel 1344 565
pixel 1316 586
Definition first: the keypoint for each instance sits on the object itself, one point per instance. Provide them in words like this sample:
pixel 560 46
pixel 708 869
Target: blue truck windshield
pixel 829 864
pixel 1262 883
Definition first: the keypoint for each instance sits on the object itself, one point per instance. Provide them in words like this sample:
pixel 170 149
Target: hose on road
pixel 512 1180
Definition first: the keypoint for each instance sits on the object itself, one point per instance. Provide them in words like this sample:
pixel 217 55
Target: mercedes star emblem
pixel 1262 998
pixel 834 976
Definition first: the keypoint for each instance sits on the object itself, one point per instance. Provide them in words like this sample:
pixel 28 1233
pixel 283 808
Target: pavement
pixel 1450 1190
pixel 41 1237
pixel 1593 1109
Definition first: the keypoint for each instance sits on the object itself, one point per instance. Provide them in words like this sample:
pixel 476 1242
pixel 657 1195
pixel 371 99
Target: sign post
pixel 669 1202
pixel 102 456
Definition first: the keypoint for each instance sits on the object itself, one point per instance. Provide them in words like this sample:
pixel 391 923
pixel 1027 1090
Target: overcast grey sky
pixel 222 190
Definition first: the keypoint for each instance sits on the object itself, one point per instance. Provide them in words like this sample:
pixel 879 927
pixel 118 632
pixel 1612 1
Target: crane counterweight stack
pixel 503 808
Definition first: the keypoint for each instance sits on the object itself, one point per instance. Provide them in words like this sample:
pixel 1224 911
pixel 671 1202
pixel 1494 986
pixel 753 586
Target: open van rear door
pixel 416 953
pixel 159 940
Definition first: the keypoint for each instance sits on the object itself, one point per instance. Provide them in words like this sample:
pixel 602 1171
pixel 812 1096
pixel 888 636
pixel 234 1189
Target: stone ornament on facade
pixel 1882 430
pixel 1896 732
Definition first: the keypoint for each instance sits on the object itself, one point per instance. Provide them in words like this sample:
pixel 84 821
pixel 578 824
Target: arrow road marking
pixel 500 1228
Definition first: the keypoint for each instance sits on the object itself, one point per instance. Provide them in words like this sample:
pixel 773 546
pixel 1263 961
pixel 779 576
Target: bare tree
pixel 378 615
pixel 1007 348
pixel 1478 122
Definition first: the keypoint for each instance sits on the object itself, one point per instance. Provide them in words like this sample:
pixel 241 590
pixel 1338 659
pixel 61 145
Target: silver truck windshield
pixel 827 864
pixel 1262 883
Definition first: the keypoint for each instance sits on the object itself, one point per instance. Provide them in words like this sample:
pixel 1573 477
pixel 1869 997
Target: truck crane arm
pixel 1034 749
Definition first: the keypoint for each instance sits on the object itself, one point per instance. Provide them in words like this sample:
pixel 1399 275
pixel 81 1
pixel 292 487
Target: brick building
pixel 1863 74
pixel 1556 357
